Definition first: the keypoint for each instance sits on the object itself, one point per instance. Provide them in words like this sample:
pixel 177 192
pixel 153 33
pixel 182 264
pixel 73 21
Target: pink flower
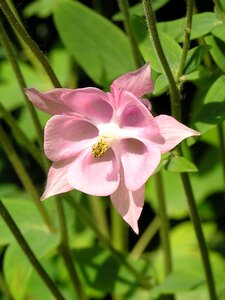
pixel 106 143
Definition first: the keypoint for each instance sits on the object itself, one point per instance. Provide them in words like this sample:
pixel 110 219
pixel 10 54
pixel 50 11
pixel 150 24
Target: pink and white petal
pixel 136 120
pixel 137 82
pixel 98 176
pixel 89 102
pixel 49 102
pixel 139 161
pixel 65 136
pixel 173 132
pixel 57 182
pixel 129 204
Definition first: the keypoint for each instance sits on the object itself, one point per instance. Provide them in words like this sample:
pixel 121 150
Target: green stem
pixel 124 8
pixel 23 176
pixel 219 5
pixel 20 136
pixel 199 233
pixel 29 42
pixel 187 35
pixel 164 229
pixel 98 211
pixel 64 250
pixel 12 58
pixel 145 238
pixel 222 149
pixel 140 278
pixel 119 231
pixel 164 223
pixel 175 96
pixel 28 252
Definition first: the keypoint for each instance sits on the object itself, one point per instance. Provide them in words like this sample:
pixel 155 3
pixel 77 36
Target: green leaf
pixel 212 112
pixel 25 215
pixel 17 268
pixel 160 85
pixel 180 164
pixel 217 50
pixel 202 24
pixel 96 44
pixel 40 8
pixel 138 9
pixel 219 32
pixel 171 48
pixel 195 57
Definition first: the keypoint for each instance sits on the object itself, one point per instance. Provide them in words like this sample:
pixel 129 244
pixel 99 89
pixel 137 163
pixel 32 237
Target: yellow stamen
pixel 99 148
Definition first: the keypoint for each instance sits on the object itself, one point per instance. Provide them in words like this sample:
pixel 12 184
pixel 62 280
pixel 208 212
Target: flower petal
pixel 57 182
pixel 139 161
pixel 173 132
pixel 136 120
pixel 95 176
pixel 90 102
pixel 129 204
pixel 65 136
pixel 138 82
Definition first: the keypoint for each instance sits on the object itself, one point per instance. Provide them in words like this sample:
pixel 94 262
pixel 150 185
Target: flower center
pixel 99 148
pixel 108 134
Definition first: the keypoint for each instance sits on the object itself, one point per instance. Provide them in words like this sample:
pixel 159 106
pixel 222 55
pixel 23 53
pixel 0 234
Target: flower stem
pixel 164 229
pixel 141 279
pixel 124 8
pixel 175 96
pixel 222 149
pixel 119 231
pixel 98 211
pixel 29 42
pixel 64 250
pixel 187 35
pixel 199 233
pixel 12 58
pixel 145 238
pixel 23 176
pixel 164 223
pixel 28 252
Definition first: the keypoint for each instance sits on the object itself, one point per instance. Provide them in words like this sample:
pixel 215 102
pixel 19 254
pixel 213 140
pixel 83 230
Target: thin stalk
pixel 187 35
pixel 28 252
pixel 64 250
pixel 199 233
pixel 175 96
pixel 145 238
pixel 29 42
pixel 222 148
pixel 140 278
pixel 19 76
pixel 219 5
pixel 23 176
pixel 124 8
pixel 119 231
pixel 20 135
pixel 164 229
pixel 98 211
pixel 164 223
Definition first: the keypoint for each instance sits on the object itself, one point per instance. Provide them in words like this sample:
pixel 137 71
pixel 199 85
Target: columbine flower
pixel 106 143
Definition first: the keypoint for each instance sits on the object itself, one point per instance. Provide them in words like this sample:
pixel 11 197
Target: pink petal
pixel 136 120
pixel 65 136
pixel 139 161
pixel 89 102
pixel 95 176
pixel 57 182
pixel 129 204
pixel 173 132
pixel 138 82
pixel 50 102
